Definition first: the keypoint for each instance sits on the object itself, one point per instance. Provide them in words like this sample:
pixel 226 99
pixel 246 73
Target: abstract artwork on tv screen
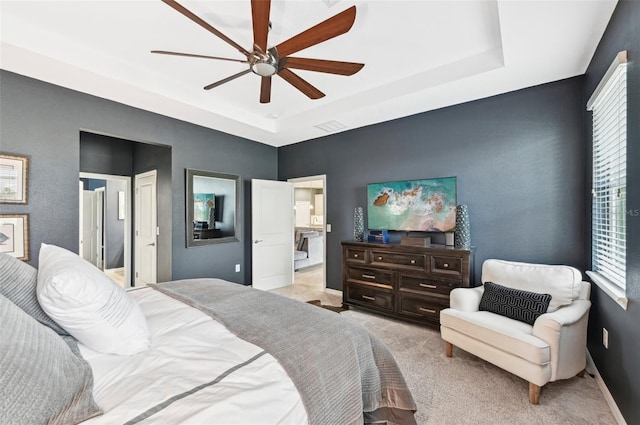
pixel 413 205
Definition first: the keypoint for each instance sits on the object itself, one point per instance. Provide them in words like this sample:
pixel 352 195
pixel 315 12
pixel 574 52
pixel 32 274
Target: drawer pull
pixel 426 310
pixel 426 285
pixel 379 258
pixel 368 276
pixel 412 261
pixel 355 255
pixel 367 297
pixel 445 265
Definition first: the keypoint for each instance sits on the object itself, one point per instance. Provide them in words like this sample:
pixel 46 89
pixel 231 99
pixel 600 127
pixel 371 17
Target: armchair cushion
pixel 503 333
pixel 516 304
pixel 563 283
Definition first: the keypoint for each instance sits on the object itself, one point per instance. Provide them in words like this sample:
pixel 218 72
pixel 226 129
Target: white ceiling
pixel 418 56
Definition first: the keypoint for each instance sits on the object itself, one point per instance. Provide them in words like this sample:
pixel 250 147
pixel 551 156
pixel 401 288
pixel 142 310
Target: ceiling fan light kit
pixel 267 62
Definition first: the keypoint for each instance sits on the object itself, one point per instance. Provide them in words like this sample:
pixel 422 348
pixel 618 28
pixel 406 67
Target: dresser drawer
pixel 422 308
pixel 355 255
pixel 446 265
pixel 426 285
pixel 370 296
pixel 408 261
pixel 381 277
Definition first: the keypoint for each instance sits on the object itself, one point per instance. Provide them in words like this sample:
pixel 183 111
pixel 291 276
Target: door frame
pixel 322 177
pixel 101 237
pixel 127 218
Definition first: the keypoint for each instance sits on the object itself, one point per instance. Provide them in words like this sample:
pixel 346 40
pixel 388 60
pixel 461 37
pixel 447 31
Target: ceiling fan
pixel 267 62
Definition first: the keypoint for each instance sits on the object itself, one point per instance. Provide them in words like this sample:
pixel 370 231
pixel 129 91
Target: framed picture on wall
pixel 14 235
pixel 14 170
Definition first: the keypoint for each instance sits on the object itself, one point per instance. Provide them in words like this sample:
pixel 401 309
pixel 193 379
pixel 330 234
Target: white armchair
pixel 553 348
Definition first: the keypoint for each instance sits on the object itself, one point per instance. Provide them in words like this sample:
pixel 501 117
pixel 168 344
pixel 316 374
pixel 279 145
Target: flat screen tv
pixel 427 205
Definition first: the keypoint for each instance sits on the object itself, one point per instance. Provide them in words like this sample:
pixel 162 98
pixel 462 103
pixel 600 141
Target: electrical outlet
pixel 605 337
pixel 237 268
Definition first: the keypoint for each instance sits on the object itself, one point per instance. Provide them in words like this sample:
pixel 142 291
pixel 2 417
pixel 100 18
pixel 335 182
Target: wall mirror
pixel 213 204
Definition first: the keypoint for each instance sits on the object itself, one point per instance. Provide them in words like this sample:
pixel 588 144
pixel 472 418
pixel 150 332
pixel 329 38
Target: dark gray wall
pixel 43 121
pixel 619 365
pixel 519 160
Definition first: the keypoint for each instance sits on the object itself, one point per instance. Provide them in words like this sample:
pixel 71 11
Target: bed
pixel 214 352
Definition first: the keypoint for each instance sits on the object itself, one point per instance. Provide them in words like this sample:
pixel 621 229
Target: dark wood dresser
pixel 407 282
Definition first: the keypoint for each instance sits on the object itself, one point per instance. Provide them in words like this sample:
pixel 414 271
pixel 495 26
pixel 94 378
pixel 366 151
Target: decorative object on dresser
pixel 358 224
pixel 463 227
pixel 378 236
pixel 412 240
pixel 404 281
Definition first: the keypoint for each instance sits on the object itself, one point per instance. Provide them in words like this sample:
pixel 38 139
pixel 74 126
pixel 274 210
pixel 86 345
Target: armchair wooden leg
pixel 448 349
pixel 534 393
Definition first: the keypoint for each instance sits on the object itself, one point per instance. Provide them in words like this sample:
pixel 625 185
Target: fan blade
pixel 320 65
pixel 300 84
pixel 226 80
pixel 325 30
pixel 192 55
pixel 260 15
pixel 265 90
pixel 186 12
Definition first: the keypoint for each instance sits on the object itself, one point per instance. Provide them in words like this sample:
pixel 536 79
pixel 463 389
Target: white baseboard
pixel 333 291
pixel 605 391
pixel 117 269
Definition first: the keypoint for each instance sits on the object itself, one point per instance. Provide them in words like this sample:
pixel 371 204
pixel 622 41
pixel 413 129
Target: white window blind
pixel 609 106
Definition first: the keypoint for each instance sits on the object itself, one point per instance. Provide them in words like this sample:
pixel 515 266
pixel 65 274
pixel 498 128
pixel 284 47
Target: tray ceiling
pixel 418 56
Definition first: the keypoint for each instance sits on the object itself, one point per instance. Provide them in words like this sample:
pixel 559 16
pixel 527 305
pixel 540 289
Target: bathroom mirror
pixel 213 203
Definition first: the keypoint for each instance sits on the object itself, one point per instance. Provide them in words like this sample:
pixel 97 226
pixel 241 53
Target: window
pixel 608 236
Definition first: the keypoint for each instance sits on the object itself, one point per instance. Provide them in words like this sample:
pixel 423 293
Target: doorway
pixel 104 220
pixel 310 236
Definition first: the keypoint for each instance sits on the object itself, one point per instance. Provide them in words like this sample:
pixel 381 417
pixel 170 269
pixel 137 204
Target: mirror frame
pixel 190 174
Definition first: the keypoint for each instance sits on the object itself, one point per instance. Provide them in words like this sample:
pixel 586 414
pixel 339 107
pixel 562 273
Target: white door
pixel 146 230
pixel 88 240
pixel 272 233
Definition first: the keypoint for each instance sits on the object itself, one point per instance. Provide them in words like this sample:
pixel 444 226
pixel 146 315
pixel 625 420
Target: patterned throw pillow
pixel 514 303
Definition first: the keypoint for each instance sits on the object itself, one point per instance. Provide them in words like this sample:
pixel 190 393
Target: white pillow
pixel 89 305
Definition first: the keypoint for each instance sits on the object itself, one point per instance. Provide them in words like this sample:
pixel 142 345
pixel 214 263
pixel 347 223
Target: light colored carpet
pixel 465 389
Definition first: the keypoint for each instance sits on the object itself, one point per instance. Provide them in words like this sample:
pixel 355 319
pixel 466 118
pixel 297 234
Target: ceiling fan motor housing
pixel 264 64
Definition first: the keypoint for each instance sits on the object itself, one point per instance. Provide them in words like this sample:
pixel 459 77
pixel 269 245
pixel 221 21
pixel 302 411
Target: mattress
pixel 195 372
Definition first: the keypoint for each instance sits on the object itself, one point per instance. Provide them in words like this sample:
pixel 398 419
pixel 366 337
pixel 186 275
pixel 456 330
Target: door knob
pixel 257 241
pixel 151 244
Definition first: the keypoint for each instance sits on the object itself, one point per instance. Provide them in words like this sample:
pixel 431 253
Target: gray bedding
pixel 343 373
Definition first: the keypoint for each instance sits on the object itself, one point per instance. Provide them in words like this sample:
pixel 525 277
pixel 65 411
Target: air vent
pixel 331 126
